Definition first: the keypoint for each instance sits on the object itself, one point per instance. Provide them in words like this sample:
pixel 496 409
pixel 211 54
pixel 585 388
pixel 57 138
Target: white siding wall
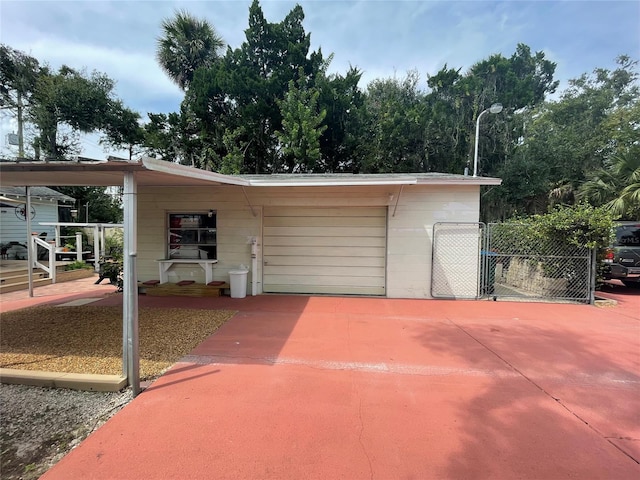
pixel 408 236
pixel 13 229
pixel 234 224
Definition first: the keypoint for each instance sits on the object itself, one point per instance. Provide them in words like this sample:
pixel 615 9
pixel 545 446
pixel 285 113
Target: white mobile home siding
pixel 14 229
pixel 408 232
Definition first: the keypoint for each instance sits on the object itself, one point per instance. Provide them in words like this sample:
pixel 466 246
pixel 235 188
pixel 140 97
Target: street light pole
pixel 495 108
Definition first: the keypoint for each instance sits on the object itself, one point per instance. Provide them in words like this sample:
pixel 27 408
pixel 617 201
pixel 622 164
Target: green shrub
pixel 581 226
pixel 114 245
pixel 76 265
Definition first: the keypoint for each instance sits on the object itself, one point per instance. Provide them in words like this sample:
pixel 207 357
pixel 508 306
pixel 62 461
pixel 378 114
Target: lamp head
pixel 495 108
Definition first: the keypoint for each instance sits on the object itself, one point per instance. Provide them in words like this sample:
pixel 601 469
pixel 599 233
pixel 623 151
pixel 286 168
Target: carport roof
pixel 149 171
pixel 154 172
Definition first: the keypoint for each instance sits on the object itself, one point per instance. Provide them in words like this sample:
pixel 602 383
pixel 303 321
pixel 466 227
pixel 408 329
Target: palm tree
pixel 187 44
pixel 617 187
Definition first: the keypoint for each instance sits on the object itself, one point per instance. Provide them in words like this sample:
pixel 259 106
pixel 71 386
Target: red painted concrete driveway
pixel 353 388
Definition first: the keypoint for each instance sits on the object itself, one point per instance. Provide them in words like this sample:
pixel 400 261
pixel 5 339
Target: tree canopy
pixel 269 105
pixel 577 146
pixel 60 104
pixel 104 207
pixel 187 43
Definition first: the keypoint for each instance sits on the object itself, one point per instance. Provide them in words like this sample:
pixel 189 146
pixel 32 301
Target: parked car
pixel 622 260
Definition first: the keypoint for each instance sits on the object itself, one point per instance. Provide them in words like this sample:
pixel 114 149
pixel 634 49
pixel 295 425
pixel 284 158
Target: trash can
pixel 238 282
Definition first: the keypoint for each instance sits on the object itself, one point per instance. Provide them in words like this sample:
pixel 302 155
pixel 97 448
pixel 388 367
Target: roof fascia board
pixel 18 174
pixel 331 183
pixel 452 181
pixel 162 166
pixel 68 166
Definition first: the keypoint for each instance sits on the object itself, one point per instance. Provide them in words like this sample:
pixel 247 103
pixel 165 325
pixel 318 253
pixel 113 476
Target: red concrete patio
pixel 326 387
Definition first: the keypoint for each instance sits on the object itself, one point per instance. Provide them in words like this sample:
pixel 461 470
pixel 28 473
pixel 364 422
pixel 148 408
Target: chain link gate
pixel 456 259
pixel 474 260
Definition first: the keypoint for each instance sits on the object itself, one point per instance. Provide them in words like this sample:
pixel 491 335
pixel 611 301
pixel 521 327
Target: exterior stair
pixel 14 280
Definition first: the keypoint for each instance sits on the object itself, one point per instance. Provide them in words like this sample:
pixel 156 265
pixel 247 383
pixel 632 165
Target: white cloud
pixel 139 78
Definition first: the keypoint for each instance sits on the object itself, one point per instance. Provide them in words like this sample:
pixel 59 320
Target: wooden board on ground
pixel 193 290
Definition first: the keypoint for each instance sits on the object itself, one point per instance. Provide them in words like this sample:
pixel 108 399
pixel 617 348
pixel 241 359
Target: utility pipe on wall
pixel 254 266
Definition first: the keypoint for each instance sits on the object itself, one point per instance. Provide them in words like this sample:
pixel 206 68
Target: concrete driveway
pixel 360 388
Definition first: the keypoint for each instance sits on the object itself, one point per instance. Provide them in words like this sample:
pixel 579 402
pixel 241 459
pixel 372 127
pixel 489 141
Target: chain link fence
pixel 518 266
pixel 474 260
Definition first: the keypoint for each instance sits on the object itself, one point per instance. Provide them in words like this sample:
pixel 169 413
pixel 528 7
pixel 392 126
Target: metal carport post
pixel 130 341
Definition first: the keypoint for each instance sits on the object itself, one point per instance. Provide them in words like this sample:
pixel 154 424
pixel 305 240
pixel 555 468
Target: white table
pixel 206 265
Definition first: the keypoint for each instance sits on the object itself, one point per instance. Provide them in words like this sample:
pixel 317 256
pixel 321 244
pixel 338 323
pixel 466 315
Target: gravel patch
pixel 88 339
pixel 39 426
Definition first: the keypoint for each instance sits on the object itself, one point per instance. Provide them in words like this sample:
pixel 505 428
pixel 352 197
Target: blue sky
pixel 381 38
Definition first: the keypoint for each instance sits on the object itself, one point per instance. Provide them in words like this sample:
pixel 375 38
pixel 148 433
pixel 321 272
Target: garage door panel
pixel 331 212
pixel 326 281
pixel 309 261
pixel 324 231
pixel 314 220
pixel 323 270
pixel 324 250
pixel 329 241
pixel 323 289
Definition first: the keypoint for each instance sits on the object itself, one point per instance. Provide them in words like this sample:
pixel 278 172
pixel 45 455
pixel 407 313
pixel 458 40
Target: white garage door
pixel 324 250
